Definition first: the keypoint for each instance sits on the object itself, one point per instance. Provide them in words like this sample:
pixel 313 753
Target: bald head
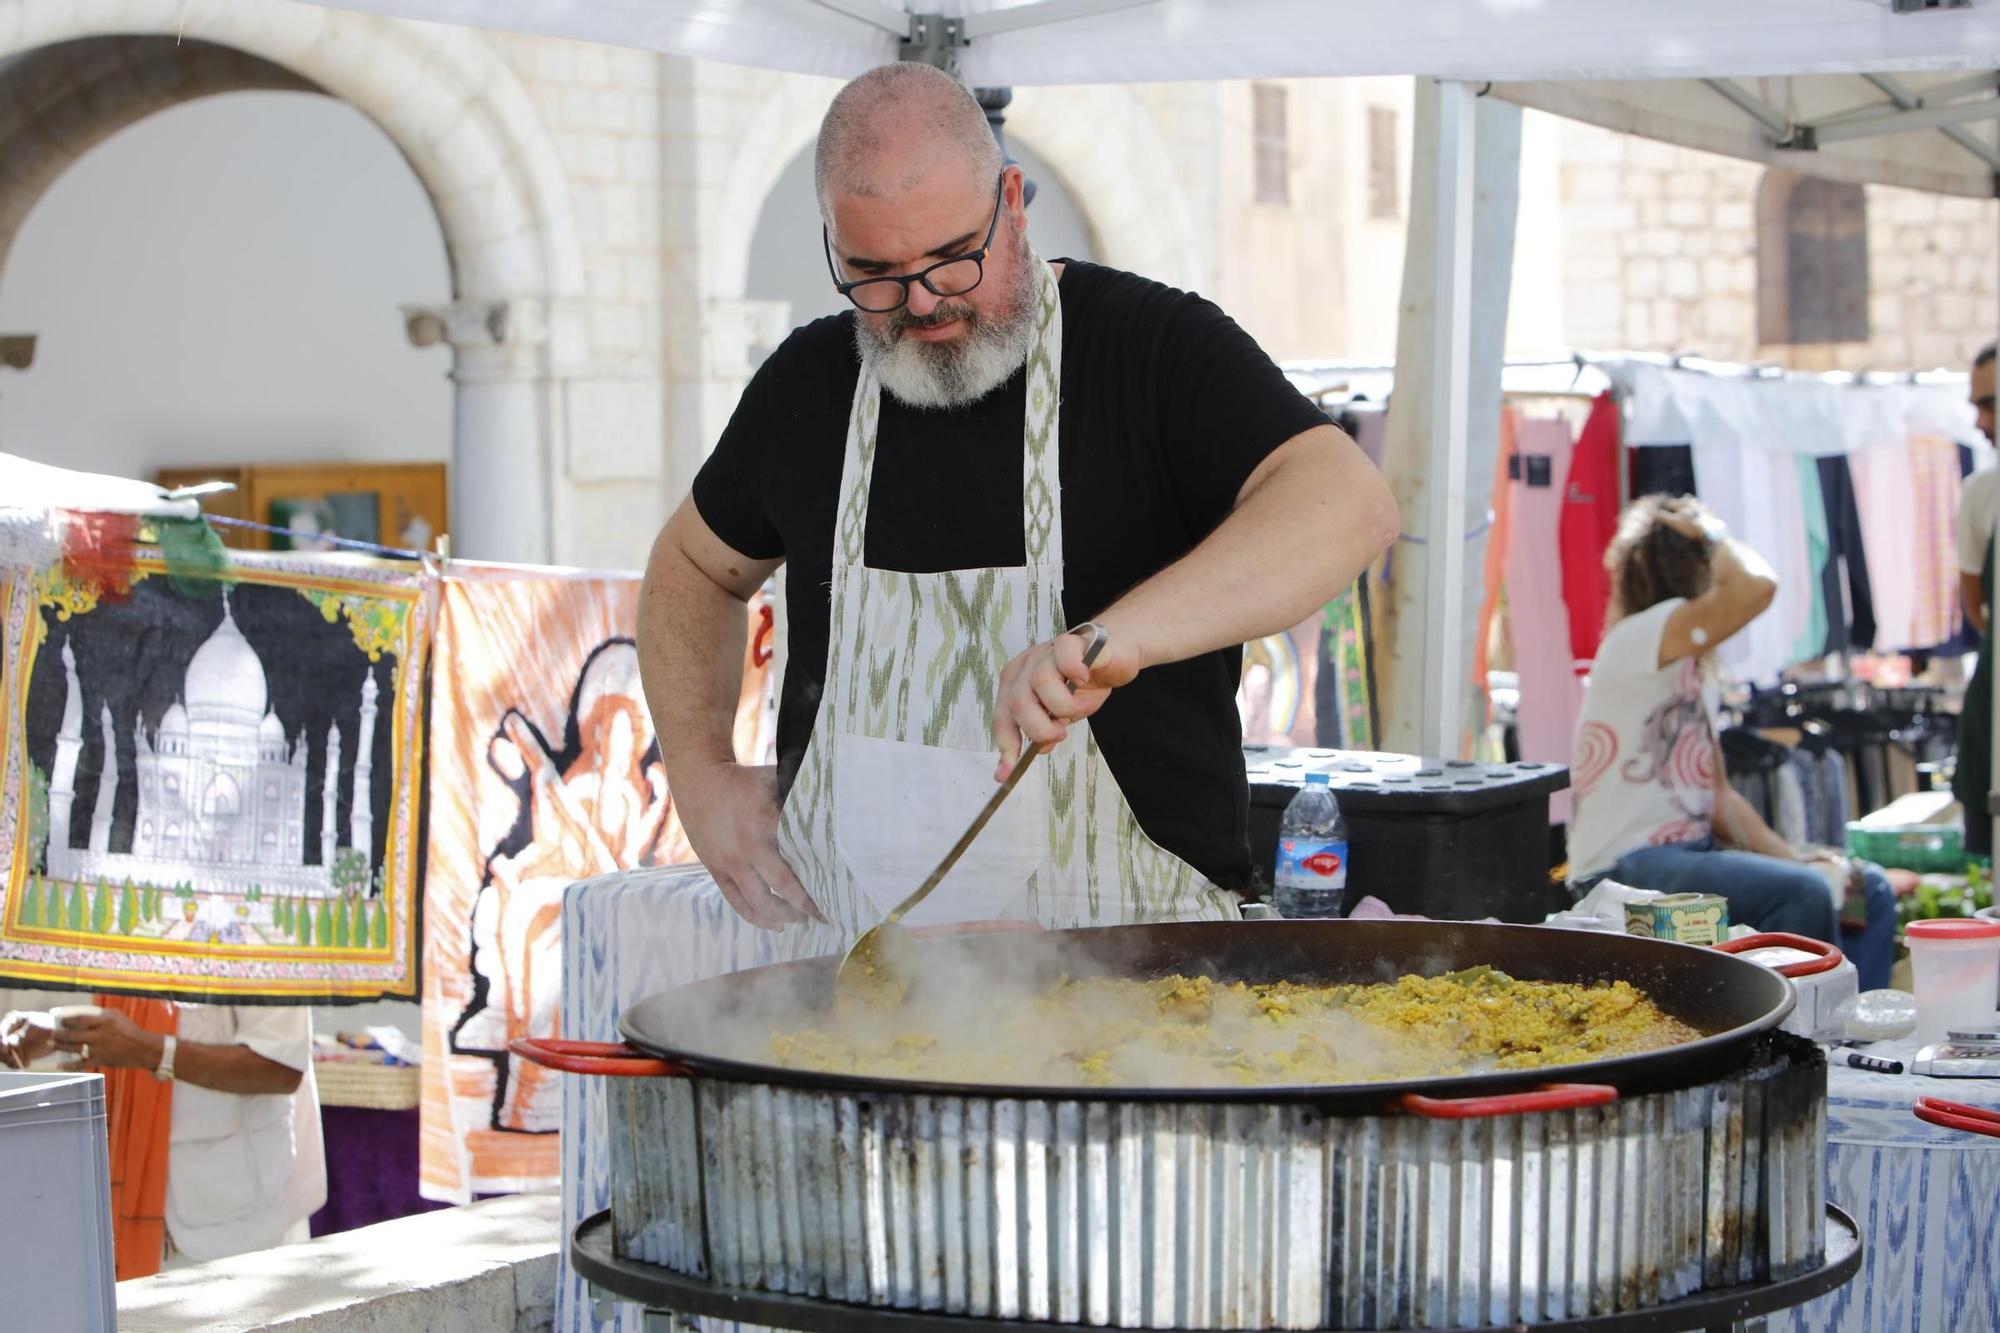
pixel 893 127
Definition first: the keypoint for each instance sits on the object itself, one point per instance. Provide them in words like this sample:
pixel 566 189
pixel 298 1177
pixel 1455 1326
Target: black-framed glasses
pixel 948 277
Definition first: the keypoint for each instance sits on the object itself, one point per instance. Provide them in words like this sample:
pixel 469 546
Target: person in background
pixel 1654 808
pixel 245 1164
pixel 1978 517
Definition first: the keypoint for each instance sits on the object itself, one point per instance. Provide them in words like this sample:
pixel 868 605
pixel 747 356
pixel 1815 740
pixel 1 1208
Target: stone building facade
pixel 1664 254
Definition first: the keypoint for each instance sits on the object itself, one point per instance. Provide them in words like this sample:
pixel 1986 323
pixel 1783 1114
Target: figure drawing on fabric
pixel 594 803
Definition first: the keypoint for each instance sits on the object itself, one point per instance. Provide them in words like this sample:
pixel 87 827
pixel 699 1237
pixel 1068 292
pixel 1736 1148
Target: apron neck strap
pixel 1041 512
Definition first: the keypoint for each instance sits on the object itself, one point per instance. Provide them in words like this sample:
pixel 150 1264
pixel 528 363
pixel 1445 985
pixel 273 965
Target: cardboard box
pixel 1687 918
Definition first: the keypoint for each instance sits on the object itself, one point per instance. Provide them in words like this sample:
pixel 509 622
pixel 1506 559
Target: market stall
pixel 1783 76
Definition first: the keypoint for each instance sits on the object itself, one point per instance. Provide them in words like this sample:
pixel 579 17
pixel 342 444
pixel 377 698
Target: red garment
pixel 1589 521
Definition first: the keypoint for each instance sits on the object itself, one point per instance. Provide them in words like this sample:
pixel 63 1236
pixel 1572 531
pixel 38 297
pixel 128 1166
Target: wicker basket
pixel 365 1084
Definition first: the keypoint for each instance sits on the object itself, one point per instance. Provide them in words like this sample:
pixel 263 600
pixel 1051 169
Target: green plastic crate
pixel 1919 847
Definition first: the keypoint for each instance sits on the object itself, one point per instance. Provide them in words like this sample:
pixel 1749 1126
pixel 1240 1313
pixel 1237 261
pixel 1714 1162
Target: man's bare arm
pixel 691 628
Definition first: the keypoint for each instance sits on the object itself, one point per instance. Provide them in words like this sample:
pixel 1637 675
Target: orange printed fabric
pixel 544 771
pixel 140 1110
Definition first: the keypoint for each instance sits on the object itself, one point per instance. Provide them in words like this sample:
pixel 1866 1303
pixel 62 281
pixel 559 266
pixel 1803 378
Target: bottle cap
pixel 1318 779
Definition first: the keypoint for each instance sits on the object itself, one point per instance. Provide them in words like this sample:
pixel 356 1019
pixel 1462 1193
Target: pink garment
pixel 1551 694
pixel 1935 483
pixel 1884 494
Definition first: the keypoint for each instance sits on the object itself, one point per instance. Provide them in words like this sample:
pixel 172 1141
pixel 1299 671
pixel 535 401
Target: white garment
pixel 1758 499
pixel 1978 516
pixel 1644 770
pixel 244 1170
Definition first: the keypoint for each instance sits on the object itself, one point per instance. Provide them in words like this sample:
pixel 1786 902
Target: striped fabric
pixel 1935 480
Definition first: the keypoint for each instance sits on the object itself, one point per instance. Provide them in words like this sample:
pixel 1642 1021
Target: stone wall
pixel 1660 255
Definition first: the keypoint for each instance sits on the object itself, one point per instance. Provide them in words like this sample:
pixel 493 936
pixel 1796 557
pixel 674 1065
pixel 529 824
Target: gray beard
pixel 946 375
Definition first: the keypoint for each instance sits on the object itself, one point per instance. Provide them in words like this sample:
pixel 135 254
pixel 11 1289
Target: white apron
pixel 902 756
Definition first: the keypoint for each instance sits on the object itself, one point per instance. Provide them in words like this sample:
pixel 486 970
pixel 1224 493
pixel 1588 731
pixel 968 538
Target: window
pixel 1812 260
pixel 1272 149
pixel 173 781
pixel 270 791
pixel 1385 202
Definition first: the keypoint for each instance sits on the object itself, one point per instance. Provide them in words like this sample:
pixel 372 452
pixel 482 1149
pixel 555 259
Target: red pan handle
pixel 613 1058
pixel 1828 959
pixel 1957 1115
pixel 1548 1097
pixel 760 647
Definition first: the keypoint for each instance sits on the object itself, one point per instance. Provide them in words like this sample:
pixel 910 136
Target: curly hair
pixel 1649 561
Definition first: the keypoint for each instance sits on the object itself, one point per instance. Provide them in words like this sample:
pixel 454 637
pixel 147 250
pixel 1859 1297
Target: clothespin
pixel 435 560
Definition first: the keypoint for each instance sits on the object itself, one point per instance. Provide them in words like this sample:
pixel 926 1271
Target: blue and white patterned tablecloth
pixel 1927 1200
pixel 627 936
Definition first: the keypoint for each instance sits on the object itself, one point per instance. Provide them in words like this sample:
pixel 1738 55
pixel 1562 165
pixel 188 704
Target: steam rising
pixel 1060 1009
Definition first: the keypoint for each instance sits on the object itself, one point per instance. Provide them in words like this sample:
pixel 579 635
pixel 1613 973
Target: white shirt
pixel 1644 766
pixel 244 1169
pixel 1978 515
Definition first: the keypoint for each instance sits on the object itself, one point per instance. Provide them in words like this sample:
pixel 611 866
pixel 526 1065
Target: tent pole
pixel 1444 426
pixel 1448 386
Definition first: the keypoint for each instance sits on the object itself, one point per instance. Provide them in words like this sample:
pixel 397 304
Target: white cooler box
pixel 55 1205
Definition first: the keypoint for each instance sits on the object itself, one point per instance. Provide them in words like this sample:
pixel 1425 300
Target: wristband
pixel 164 1071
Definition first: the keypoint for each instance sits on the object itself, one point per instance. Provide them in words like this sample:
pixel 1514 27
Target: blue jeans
pixel 1772 894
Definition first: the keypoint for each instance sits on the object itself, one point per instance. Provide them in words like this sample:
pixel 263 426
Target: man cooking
pixel 989 451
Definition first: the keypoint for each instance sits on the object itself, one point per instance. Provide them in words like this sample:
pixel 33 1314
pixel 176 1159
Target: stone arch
pixel 58 102
pixel 1108 150
pixel 785 122
pixel 440 93
pixel 71 76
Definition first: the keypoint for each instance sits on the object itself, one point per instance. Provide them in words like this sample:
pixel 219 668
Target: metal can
pixel 1686 918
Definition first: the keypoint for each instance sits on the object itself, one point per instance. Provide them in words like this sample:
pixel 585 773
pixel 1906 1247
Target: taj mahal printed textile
pixel 212 784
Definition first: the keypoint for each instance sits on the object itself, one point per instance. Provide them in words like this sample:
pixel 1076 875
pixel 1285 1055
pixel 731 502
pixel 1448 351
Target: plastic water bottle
pixel 1311 879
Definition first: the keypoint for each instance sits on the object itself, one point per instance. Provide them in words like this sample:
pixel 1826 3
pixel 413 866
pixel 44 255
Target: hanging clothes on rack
pixel 1661 469
pixel 1590 506
pixel 1498 538
pixel 1810 641
pixel 1934 480
pixel 1846 585
pixel 1753 764
pixel 1753 490
pixel 1538 622
pixel 1887 501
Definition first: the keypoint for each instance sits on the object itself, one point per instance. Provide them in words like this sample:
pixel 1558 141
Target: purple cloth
pixel 371 1168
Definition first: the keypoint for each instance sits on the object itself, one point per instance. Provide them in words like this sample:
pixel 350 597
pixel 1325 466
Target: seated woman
pixel 1654 808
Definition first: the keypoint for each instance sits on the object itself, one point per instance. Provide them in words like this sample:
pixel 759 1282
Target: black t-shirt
pixel 1167 408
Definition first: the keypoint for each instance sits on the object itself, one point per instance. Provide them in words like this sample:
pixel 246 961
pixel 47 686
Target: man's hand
pixel 23 1041
pixel 1035 703
pixel 730 812
pixel 110 1040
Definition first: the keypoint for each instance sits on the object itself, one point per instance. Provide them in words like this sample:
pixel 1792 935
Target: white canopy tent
pixel 1721 75
pixel 1893 91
